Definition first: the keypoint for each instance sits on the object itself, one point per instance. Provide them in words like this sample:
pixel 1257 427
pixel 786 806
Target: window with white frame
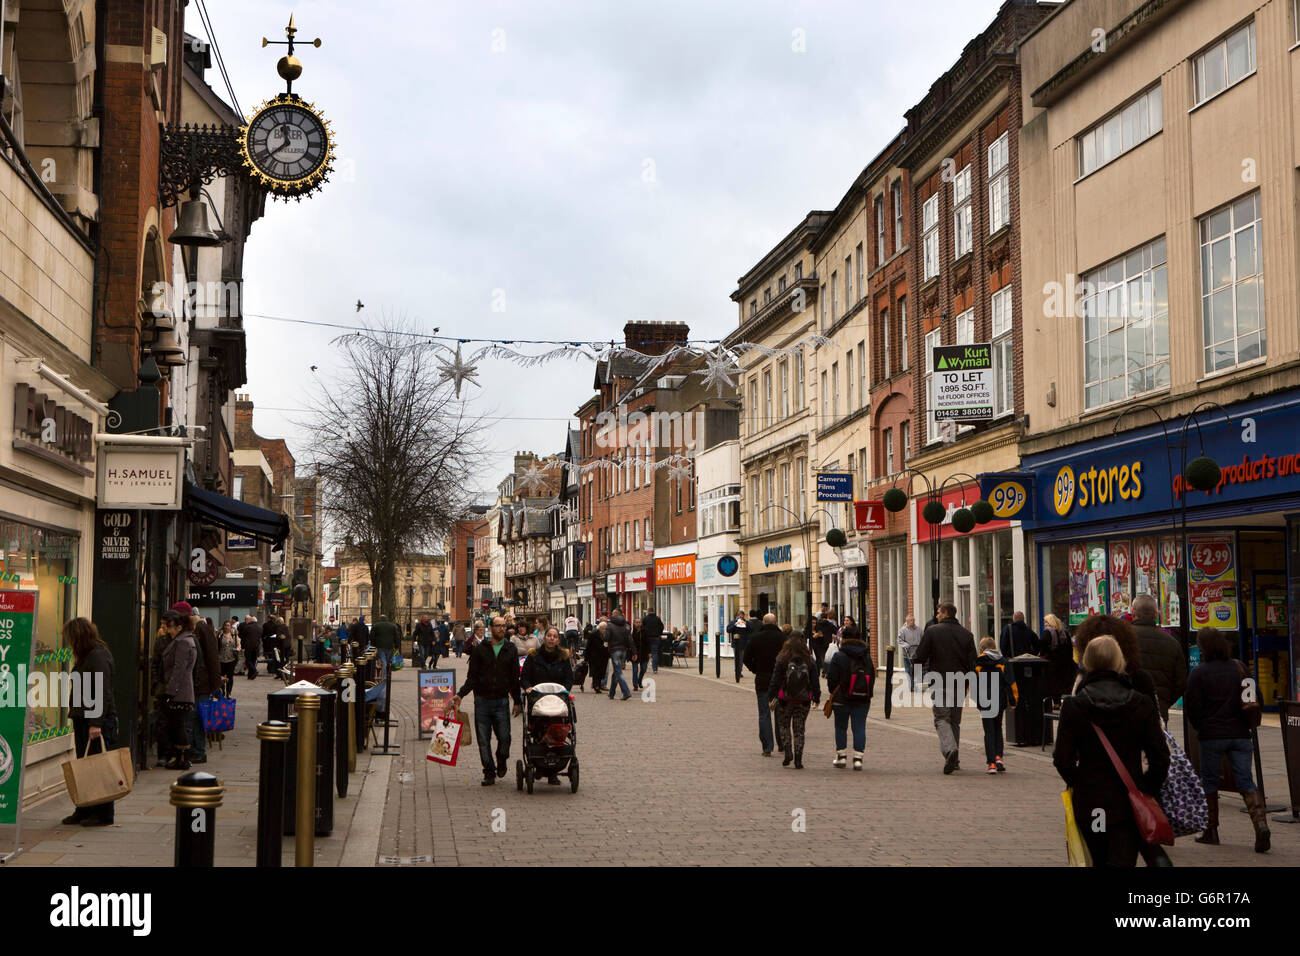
pixel 848 283
pixel 755 421
pixel 863 384
pixel 785 492
pixel 647 530
pixel 930 238
pixel 905 441
pixel 1115 135
pixel 798 397
pixel 904 359
pixel 825 404
pixel 932 339
pixel 798 271
pixel 961 213
pixel 1232 285
pixel 896 197
pixel 862 278
pixel 1003 357
pixel 966 327
pixel 835 296
pixel 769 478
pixel 1125 312
pixel 848 376
pixel 999 177
pixel 636 535
pixel 780 284
pixel 755 505
pixel 822 295
pixel 801 468
pixel 1226 62
pixel 835 391
pixel 767 396
pixel 880 230
pixel 862 468
pixel 889 451
pixel 884 326
pixel 785 388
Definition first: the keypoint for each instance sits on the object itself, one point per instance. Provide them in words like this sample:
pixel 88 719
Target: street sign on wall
pixel 962 383
pixel 834 486
pixel 869 516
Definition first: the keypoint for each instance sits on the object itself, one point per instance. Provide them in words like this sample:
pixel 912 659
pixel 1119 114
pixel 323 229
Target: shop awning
pixel 233 515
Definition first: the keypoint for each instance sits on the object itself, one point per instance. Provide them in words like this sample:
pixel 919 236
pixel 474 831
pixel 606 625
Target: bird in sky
pixel 360 305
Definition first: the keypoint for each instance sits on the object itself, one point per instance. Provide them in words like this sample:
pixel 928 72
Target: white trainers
pixel 839 761
pixel 857 760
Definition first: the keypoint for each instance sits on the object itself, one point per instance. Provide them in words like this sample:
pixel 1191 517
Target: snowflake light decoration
pixel 680 469
pixel 721 367
pixel 458 371
pixel 534 479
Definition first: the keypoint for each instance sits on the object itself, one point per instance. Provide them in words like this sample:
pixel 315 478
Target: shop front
pixel 47 531
pixel 629 591
pixel 717 590
pixel 1114 518
pixel 779 581
pixel 586 602
pixel 675 587
pixel 981 572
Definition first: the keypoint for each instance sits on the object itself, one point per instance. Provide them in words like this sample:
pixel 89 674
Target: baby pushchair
pixel 549 748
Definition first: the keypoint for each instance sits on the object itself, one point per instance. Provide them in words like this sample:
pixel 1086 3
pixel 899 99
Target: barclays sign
pixel 777 555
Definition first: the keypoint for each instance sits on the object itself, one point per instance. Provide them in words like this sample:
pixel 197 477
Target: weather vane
pixel 289 67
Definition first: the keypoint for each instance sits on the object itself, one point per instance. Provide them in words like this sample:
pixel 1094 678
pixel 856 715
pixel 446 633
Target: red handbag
pixel 1152 824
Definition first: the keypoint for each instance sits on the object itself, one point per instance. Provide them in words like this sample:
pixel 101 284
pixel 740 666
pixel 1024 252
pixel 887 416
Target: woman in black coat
pixel 597 657
pixel 1106 698
pixel 93 664
pixel 547 664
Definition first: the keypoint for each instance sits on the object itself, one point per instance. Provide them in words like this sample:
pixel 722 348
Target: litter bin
pixel 280 706
pixel 1025 720
pixel 666 650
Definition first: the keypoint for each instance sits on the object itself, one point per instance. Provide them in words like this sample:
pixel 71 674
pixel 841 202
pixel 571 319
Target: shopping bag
pixel 445 745
pixel 99 777
pixel 1183 797
pixel 217 715
pixel 1076 850
pixel 466 737
pixel 397 660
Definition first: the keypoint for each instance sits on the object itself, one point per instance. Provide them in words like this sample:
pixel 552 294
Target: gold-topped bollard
pixel 308 706
pixel 274 735
pixel 196 796
pixel 348 714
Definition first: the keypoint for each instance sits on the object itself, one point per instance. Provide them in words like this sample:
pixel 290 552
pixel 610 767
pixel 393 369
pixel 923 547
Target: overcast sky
pixel 613 162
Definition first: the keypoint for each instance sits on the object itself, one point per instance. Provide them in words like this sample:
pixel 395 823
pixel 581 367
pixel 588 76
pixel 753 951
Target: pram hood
pixel 550 705
pixel 549 688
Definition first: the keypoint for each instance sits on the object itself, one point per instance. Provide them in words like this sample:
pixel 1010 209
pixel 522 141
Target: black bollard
pixel 196 796
pixel 343 741
pixel 274 735
pixel 717 655
pixel 889 682
pixel 703 638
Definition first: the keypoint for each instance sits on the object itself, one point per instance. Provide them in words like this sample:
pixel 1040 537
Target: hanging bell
pixel 192 227
pixel 166 350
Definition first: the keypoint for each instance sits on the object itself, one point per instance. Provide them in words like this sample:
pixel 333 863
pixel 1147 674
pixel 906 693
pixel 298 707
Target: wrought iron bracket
pixel 193 155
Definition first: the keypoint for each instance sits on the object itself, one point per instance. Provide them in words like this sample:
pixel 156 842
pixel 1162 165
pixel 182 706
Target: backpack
pixel 859 682
pixel 798 683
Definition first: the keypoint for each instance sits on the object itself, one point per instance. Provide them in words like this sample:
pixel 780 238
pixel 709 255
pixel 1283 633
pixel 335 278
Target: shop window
pixel 45 561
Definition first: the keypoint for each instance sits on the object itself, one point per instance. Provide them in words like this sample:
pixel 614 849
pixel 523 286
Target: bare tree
pixel 396 451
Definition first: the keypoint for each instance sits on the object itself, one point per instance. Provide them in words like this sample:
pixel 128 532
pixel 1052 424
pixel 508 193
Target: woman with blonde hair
pixel 1106 703
pixel 93 664
pixel 1056 646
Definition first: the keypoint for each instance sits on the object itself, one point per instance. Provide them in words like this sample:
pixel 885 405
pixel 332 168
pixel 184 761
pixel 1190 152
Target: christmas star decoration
pixel 680 469
pixel 721 366
pixel 534 479
pixel 457 371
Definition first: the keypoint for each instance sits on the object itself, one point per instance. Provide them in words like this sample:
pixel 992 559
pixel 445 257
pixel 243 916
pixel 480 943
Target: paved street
pixel 677 781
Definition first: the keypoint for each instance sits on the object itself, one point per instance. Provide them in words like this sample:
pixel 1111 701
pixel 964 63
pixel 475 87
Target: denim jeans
pixel 654 656
pixel 765 735
pixel 460 648
pixel 639 668
pixel 489 715
pixel 846 714
pixel 616 661
pixel 1239 752
pixel 911 677
pixel 198 739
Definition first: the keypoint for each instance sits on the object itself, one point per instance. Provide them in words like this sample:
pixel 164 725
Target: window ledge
pixel 1099 410
pixel 1224 90
pixel 1232 370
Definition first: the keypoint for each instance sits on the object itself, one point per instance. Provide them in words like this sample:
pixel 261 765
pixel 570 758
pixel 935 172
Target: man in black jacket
pixel 739 631
pixel 494 676
pixel 1161 655
pixel 760 657
pixel 948 652
pixel 250 639
pixel 653 629
pixel 1017 637
pixel 423 636
pixel 622 648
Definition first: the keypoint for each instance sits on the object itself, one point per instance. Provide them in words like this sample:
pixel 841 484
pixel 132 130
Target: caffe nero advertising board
pixel 1258 452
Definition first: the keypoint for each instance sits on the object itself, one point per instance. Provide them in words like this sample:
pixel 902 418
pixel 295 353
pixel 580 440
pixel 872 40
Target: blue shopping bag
pixel 217 715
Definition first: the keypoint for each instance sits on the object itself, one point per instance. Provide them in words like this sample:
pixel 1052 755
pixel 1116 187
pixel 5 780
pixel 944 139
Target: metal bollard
pixel 345 756
pixel 703 638
pixel 274 735
pixel 717 655
pixel 305 820
pixel 889 682
pixel 196 796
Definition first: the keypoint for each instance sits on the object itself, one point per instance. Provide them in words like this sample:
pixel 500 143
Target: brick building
pixel 464 587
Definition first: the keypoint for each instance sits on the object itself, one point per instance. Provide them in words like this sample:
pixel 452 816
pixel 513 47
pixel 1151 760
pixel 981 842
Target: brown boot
pixel 1211 834
pixel 1258 819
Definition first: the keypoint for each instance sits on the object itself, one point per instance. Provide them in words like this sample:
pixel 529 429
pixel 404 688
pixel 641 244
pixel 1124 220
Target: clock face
pixel 287 143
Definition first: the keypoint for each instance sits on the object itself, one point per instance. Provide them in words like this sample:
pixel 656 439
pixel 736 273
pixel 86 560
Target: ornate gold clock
pixel 287 146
